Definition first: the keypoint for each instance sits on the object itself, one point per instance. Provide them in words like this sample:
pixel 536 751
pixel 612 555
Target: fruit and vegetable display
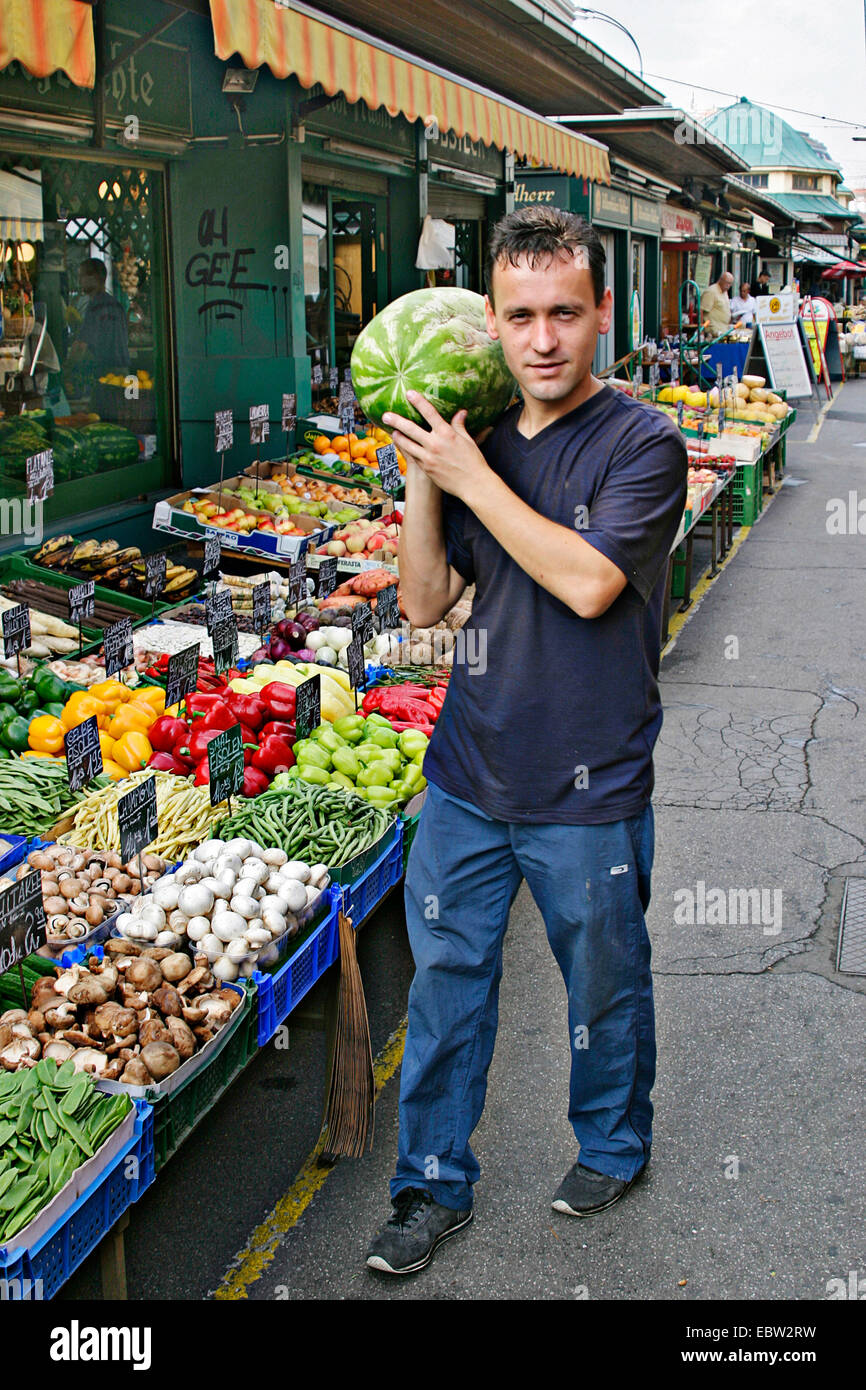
pixel 113 567
pixel 52 601
pixel 84 889
pixel 123 713
pixel 363 540
pixel 318 490
pixel 230 902
pixel 134 1015
pixel 91 446
pixel 434 341
pixel 52 1119
pixel 320 824
pixel 51 636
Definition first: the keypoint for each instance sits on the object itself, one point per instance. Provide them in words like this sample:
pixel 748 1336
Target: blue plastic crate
pixel 18 848
pixel 278 994
pixel 77 1233
pixel 361 897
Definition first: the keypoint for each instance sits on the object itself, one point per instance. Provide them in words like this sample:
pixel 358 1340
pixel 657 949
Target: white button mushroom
pixel 224 968
pixel 195 900
pixel 229 925
pixel 197 928
pixel 296 868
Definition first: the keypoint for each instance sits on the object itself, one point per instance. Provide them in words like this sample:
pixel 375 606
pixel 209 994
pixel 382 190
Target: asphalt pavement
pixel 756 1186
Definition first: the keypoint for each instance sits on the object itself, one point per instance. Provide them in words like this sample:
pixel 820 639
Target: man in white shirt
pixel 716 305
pixel 743 306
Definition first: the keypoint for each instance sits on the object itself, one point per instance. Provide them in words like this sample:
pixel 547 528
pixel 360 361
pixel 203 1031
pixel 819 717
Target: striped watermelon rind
pixel 434 341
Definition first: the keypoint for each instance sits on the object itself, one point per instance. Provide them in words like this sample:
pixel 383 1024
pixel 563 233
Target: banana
pixel 51 551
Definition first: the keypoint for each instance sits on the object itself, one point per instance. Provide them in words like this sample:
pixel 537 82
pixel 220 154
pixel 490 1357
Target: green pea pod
pixel 7 1129
pixel 68 1124
pixel 19 1193
pixel 7 1180
pixel 25 1117
pixel 23 1217
pixel 75 1095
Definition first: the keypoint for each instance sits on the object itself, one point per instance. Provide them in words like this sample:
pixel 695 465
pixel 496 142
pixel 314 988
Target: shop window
pixel 83 353
pixel 757 180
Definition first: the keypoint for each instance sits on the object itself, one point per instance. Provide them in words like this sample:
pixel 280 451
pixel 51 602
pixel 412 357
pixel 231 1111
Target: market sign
pixel 645 214
pixel 776 308
pixel 610 205
pixel 554 191
pixel 785 359
pixel 355 120
pixel 137 819
pixel 152 85
pixel 22 921
pixel 678 225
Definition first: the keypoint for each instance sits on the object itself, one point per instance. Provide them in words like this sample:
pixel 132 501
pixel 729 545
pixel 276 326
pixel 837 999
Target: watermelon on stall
pixel 434 341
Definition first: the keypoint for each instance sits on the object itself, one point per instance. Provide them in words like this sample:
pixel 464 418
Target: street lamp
pixel 581 13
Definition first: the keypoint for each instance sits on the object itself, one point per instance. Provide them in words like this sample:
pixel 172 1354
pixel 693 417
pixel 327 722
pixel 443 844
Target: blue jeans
pixel 592 885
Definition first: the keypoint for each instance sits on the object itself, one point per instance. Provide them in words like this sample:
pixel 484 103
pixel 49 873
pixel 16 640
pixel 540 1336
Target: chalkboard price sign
pixel 298 582
pixel 334 378
pixel 83 754
pixel 182 677
pixel 387 608
pixel 681 410
pixel 260 425
pixel 355 660
pixel 40 475
pixel 327 576
pixel 155 567
pixel 137 819
pixel 217 606
pixel 225 760
pixel 262 607
pixel 224 430
pixel 317 375
pixel 308 709
pixel 362 622
pixel 290 412
pixel 212 557
pixel 117 647
pixel 390 476
pixel 82 600
pixel 225 644
pixel 16 629
pixel 347 418
pixel 22 920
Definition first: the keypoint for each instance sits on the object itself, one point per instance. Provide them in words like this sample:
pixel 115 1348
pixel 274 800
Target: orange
pixel 358 450
pixel 321 443
pixel 339 442
pixel 347 458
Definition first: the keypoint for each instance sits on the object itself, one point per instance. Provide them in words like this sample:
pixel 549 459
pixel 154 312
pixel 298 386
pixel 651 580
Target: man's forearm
pixel 425 575
pixel 561 561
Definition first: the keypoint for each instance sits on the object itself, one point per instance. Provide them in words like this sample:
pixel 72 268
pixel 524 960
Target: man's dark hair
pixel 94 266
pixel 539 234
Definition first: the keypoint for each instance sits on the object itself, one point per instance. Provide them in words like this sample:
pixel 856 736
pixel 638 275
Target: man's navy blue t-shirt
pixel 551 717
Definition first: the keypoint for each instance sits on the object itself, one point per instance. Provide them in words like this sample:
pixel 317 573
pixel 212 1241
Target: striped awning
pixel 319 49
pixel 48 36
pixel 20 229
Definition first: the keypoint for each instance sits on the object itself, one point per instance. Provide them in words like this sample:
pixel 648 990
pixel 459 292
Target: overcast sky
pixel 800 54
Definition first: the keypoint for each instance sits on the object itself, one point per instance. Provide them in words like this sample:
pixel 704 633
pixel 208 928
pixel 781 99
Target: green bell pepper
pixel 376 775
pixel 346 762
pixel 412 741
pixel 338 779
pixel 48 687
pixel 350 727
pixel 7 711
pixel 55 709
pixel 14 733
pixel 328 740
pixel 414 778
pixel 306 751
pixel 308 772
pixel 4 753
pixel 386 738
pixel 391 759
pixel 375 719
pixel 381 796
pixel 27 702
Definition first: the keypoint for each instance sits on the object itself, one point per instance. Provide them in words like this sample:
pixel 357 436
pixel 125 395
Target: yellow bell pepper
pixel 106 743
pixel 80 706
pixel 112 693
pixel 35 753
pixel 132 751
pixel 131 717
pixel 46 734
pixel 114 770
pixel 153 695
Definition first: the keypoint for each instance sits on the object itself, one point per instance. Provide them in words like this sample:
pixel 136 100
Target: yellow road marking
pixel 250 1264
pixel 828 405
pixel 679 620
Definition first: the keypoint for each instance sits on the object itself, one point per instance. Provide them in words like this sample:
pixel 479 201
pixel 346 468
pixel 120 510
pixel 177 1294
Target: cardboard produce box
pixel 169 516
pixel 266 469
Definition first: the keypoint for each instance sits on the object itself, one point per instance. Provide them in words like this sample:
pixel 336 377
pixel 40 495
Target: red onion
pixel 306 655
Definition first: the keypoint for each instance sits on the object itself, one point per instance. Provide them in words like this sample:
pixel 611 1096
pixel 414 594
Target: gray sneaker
pixel 584 1192
pixel 416 1226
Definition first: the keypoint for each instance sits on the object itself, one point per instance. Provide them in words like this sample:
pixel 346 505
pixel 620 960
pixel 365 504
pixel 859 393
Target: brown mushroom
pixel 20 1052
pixel 153 1030
pixel 43 993
pixel 88 990
pixel 5 1035
pixel 58 1051
pixel 13 1016
pixel 161 1059
pixel 199 978
pixel 181 1037
pixel 193 1014
pixel 115 948
pixel 157 953
pixel 131 997
pixel 36 1021
pixel 88 1059
pixel 111 1019
pixel 145 974
pixel 55 905
pixel 135 1073
pixel 168 1001
pixel 175 967
pixel 78 1038
pixel 61 1015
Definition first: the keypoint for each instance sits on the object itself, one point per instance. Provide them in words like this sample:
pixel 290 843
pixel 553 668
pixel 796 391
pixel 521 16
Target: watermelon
pixel 434 341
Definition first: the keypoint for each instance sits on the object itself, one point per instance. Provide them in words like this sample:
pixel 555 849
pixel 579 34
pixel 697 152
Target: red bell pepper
pixel 166 762
pixel 220 717
pixel 255 782
pixel 401 726
pixel 202 774
pixel 167 732
pixel 249 710
pixel 198 704
pixel 274 755
pixel 199 739
pixel 280 700
pixel 278 726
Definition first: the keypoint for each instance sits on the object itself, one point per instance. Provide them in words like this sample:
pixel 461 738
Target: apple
pixel 336 547
pixel 355 544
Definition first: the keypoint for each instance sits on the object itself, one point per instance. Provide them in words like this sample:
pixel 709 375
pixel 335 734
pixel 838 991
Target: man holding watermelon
pixel 541 763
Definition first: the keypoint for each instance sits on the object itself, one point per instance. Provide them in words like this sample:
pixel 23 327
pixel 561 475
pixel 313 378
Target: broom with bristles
pixel 352 1092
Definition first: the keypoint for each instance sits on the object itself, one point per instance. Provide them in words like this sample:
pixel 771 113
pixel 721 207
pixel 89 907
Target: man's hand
pixel 447 454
